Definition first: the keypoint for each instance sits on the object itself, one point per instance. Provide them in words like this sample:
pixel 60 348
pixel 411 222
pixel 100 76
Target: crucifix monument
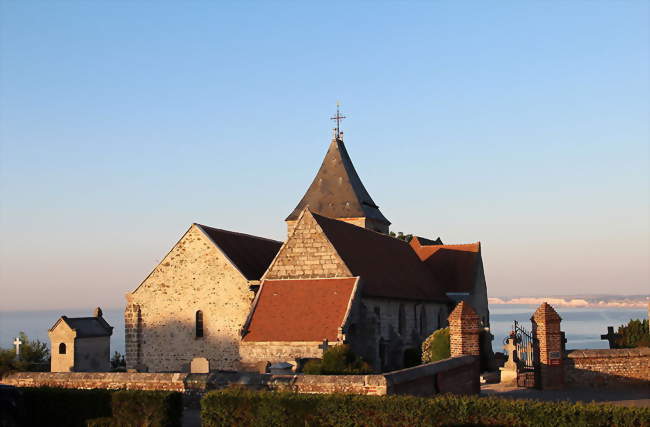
pixel 18 343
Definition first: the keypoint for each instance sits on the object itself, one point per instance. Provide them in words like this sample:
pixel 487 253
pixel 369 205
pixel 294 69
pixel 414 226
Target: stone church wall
pixel 376 334
pixel 307 254
pixel 255 352
pixel 194 276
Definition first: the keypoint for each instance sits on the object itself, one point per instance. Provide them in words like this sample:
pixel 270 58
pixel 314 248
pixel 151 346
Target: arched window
pixel 62 348
pixel 423 321
pixel 199 324
pixel 401 320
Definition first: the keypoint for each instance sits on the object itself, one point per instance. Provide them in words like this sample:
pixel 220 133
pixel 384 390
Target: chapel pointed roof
pixel 337 190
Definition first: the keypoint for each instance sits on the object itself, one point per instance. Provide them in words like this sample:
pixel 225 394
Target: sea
pixel 583 326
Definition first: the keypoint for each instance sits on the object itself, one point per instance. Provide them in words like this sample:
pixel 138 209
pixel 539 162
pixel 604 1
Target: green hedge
pixel 45 406
pixel 247 408
pixel 148 408
pixel 64 407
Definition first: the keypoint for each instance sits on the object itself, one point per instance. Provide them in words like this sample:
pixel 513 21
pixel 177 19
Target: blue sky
pixel 523 125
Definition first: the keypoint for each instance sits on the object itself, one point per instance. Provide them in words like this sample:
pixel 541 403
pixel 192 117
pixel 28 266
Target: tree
pixel 34 356
pixel 118 362
pixel 406 237
pixel 635 334
pixel 338 359
pixel 437 346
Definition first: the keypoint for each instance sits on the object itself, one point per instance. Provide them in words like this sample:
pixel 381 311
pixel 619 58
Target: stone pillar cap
pixel 545 312
pixel 462 311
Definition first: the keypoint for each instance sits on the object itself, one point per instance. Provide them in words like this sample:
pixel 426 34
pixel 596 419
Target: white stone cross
pixel 17 343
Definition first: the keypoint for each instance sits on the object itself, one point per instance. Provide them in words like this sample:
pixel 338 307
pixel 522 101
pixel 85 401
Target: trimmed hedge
pixel 148 408
pixel 63 407
pixel 248 408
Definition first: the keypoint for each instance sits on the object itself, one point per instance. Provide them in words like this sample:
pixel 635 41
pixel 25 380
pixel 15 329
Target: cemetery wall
pixel 107 380
pixel 607 368
pixel 458 375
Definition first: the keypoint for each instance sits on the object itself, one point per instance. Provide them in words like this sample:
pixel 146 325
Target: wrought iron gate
pixel 524 341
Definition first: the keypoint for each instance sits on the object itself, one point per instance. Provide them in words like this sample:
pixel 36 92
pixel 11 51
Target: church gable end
pixel 307 254
pixel 195 276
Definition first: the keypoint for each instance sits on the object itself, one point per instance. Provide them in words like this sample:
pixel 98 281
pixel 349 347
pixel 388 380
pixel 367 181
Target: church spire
pixel 337 191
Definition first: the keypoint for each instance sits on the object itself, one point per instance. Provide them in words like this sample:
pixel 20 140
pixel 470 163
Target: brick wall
pixel 548 347
pixel 608 368
pixel 464 329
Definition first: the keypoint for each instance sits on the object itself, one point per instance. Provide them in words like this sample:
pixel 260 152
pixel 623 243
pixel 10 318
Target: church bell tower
pixel 337 191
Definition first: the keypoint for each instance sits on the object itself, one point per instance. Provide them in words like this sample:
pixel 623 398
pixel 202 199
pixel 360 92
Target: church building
pixel 242 301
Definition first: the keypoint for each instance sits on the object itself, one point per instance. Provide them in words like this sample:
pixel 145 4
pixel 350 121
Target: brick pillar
pixel 548 347
pixel 464 329
pixel 133 336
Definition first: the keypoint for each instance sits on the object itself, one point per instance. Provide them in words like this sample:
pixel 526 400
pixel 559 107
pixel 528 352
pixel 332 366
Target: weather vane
pixel 338 118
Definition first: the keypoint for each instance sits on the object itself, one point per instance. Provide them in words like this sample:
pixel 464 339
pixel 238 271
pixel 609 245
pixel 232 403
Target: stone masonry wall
pixel 62 334
pixel 608 368
pixel 456 375
pixel 133 335
pixel 194 276
pixel 307 254
pixel 108 380
pixel 378 319
pixel 92 354
pixel 255 352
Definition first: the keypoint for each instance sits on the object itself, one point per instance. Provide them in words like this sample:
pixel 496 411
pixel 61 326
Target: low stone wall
pixel 459 375
pixel 607 368
pixel 108 380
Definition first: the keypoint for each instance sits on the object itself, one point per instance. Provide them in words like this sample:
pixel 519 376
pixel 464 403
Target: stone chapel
pixel 239 300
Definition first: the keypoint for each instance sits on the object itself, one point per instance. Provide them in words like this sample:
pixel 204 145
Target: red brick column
pixel 548 347
pixel 464 329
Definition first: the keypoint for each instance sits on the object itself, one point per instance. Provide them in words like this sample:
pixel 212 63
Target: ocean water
pixel 583 326
pixel 36 324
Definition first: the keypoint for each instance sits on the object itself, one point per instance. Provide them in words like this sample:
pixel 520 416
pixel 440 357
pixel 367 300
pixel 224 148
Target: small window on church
pixel 199 324
pixel 62 348
pixel 401 320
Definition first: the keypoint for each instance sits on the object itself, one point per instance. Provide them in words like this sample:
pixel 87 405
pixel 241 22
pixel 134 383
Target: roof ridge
pixel 237 233
pixel 357 227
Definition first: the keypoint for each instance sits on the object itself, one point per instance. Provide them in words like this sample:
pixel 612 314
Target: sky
pixel 522 125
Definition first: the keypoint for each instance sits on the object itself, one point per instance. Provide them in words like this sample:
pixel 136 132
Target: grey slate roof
pixel 250 254
pixel 337 190
pixel 89 326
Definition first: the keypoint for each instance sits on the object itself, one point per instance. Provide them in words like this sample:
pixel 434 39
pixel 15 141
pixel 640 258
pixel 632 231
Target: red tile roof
pixel 388 266
pixel 300 310
pixel 454 266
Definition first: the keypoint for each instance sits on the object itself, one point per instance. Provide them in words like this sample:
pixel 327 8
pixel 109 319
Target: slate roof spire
pixel 337 191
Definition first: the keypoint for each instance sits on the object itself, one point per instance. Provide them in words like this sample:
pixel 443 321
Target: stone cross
pixel 511 351
pixel 324 345
pixel 17 343
pixel 610 336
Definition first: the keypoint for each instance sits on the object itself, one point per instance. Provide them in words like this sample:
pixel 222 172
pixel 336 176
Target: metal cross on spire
pixel 338 118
